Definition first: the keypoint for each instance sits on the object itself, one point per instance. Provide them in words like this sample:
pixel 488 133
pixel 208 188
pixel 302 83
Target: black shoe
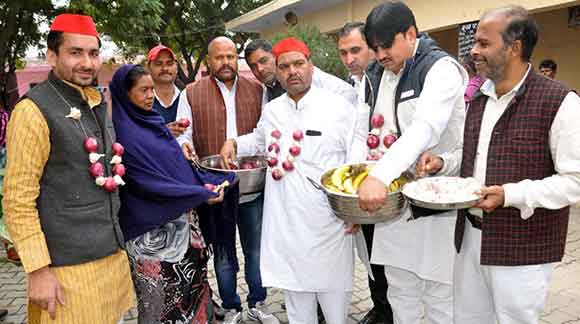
pixel 3 313
pixel 373 317
pixel 321 319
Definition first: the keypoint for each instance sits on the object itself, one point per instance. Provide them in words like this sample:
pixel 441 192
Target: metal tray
pixel 441 206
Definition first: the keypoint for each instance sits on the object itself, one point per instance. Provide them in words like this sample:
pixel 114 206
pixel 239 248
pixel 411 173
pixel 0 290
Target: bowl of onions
pixel 251 170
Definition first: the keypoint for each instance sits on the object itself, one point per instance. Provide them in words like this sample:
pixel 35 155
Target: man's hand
pixel 188 151
pixel 228 153
pixel 45 290
pixel 492 198
pixel 372 194
pixel 175 129
pixel 350 228
pixel 428 164
pixel 217 199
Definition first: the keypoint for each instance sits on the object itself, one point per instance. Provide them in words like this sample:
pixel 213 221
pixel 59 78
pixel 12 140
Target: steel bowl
pixel 346 207
pixel 251 180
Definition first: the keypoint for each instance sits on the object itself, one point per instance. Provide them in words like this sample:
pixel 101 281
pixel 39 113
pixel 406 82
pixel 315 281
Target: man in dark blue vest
pixel 415 91
pixel 162 64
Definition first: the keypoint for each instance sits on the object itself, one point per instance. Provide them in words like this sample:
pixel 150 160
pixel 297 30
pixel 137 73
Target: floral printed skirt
pixel 169 269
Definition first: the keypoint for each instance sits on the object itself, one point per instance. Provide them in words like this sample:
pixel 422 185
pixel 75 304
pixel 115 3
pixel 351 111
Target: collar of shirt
pixel 224 88
pixel 488 88
pixel 303 102
pixel 175 95
pixel 90 94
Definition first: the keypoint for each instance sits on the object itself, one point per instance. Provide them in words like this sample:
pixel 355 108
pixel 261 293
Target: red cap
pixel 76 24
pixel 290 44
pixel 154 52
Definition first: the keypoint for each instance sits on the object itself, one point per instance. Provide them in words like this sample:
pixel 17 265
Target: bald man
pixel 221 106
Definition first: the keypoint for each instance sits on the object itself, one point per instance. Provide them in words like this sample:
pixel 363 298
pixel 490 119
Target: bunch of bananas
pixel 347 179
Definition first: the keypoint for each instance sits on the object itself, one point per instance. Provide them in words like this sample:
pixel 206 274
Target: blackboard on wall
pixel 466 38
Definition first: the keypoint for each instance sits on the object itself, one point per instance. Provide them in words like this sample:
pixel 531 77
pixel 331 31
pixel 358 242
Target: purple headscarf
pixel 161 184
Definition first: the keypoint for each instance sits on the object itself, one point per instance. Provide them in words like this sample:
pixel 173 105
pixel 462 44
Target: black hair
pixel 549 64
pixel 350 26
pixel 387 20
pixel 521 26
pixel 255 45
pixel 136 73
pixel 55 39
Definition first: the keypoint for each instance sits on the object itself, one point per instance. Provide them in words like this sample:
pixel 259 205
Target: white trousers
pixel 301 306
pixel 492 294
pixel 412 297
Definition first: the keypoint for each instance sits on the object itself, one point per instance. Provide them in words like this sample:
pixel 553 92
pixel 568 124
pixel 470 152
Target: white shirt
pixel 175 95
pixel 423 246
pixel 229 96
pixel 304 247
pixel 323 80
pixel 359 87
pixel 554 192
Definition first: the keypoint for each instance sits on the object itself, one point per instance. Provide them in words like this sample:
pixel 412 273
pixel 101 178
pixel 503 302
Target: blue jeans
pixel 250 230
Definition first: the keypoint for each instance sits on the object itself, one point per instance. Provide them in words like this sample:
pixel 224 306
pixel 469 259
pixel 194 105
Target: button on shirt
pixel 554 192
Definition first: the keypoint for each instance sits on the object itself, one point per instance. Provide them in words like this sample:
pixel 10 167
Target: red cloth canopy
pixel 76 24
pixel 290 44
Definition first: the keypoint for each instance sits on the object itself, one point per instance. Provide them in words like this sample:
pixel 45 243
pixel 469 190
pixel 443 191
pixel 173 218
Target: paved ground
pixel 563 305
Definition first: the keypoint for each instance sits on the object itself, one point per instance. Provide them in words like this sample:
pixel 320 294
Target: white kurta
pixel 435 122
pixel 303 246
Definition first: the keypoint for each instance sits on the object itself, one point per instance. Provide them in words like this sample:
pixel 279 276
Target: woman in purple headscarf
pixel 167 252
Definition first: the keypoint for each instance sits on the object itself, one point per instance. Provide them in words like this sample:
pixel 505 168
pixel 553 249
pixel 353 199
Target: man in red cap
pixel 305 248
pixel 162 64
pixel 64 225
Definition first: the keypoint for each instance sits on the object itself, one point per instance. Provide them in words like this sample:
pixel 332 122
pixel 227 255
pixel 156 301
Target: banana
pixel 359 179
pixel 394 186
pixel 338 177
pixel 348 187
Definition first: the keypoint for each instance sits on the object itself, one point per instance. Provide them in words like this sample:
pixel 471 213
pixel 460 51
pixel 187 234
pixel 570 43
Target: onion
pixel 297 135
pixel 118 149
pixel 287 165
pixel 373 141
pixel 247 166
pixel 276 134
pixel 389 140
pixel 116 159
pixel 119 169
pixel 210 186
pixel 377 121
pixel 183 122
pixel 272 162
pixel 274 147
pixel 91 145
pixel 294 150
pixel 110 185
pixel 96 170
pixel 277 174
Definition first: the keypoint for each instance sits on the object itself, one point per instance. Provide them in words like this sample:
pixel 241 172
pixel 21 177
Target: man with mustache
pixel 521 141
pixel 258 55
pixel 162 63
pixel 221 106
pixel 417 91
pixel 64 225
pixel 356 55
pixel 306 250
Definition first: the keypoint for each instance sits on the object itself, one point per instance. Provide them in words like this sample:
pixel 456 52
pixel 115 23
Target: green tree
pixel 186 26
pixel 323 48
pixel 19 21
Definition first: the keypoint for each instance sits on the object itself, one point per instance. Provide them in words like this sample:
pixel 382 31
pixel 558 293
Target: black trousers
pixel 378 287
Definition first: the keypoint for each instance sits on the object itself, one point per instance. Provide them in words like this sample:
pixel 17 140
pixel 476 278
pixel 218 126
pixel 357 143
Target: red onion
pixel 294 150
pixel 276 134
pixel 110 185
pixel 96 170
pixel 287 165
pixel 377 121
pixel 247 166
pixel 91 144
pixel 210 186
pixel 272 162
pixel 373 141
pixel 389 140
pixel 297 135
pixel 118 149
pixel 277 174
pixel 119 169
pixel 184 122
pixel 274 147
